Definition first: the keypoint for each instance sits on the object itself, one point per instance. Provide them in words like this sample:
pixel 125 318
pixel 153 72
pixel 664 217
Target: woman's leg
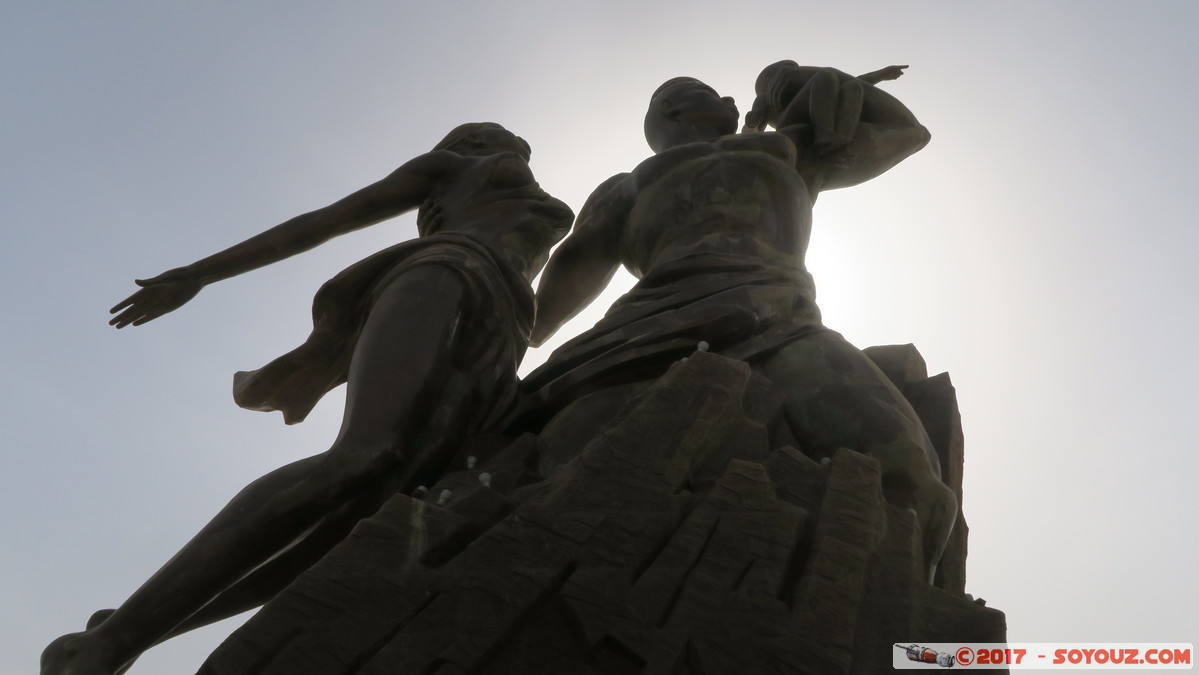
pixel 266 581
pixel 401 356
pixel 837 398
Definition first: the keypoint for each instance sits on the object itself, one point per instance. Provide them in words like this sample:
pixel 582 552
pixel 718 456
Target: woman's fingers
pixel 135 313
pixel 124 319
pixel 146 318
pixel 124 303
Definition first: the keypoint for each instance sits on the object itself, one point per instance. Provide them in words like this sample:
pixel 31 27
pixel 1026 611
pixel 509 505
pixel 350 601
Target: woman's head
pixel 483 138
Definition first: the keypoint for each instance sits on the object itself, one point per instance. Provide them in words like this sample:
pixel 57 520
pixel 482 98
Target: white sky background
pixel 1042 249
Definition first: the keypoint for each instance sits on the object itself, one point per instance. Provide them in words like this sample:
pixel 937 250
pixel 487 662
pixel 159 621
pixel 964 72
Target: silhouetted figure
pixel 715 227
pixel 428 335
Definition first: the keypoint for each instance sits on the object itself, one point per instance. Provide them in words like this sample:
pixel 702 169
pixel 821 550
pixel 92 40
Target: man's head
pixel 684 110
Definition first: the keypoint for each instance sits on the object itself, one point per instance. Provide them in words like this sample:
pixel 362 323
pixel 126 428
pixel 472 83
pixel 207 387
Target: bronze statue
pixel 715 226
pixel 427 334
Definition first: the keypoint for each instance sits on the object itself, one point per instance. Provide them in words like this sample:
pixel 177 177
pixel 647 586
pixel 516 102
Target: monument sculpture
pixel 709 480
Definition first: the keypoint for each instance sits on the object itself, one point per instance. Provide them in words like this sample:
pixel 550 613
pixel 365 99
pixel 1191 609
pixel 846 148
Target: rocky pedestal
pixel 678 542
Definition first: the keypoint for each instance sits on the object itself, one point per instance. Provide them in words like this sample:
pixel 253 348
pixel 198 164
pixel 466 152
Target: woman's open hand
pixel 161 294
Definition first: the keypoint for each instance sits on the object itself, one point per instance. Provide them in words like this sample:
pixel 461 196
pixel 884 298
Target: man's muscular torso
pixel 736 195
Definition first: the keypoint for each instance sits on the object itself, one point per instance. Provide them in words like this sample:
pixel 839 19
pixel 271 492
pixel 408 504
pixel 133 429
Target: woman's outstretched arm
pixel 401 191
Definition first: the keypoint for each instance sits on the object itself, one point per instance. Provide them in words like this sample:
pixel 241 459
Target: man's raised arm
pixel 582 266
pixel 887 134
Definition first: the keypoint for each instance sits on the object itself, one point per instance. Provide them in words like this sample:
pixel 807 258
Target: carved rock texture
pixel 935 401
pixel 678 542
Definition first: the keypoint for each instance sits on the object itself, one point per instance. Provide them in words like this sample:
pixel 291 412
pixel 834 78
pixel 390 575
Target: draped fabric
pixel 741 306
pixel 497 320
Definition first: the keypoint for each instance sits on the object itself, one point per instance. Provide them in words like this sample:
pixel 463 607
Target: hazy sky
pixel 1042 249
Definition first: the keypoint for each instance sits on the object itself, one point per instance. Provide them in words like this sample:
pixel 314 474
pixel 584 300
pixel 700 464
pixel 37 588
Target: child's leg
pixel 850 96
pixel 817 103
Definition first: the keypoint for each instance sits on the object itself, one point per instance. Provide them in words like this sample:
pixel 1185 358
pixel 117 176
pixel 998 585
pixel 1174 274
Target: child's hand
pixel 754 121
pixel 890 73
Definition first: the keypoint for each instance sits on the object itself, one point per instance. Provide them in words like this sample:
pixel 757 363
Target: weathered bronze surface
pixel 709 480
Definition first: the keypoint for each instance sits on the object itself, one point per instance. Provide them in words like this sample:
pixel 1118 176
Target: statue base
pixel 680 541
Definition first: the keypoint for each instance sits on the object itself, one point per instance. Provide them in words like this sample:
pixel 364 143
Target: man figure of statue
pixel 715 226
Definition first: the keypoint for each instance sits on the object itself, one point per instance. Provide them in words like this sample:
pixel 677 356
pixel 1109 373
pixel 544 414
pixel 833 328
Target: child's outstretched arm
pixel 888 73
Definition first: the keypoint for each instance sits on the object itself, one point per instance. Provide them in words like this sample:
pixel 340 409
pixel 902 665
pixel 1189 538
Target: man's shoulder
pixel 613 183
pixel 608 198
pixel 611 190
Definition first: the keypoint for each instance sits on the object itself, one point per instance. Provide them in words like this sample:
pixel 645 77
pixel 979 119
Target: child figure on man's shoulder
pixel 828 100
